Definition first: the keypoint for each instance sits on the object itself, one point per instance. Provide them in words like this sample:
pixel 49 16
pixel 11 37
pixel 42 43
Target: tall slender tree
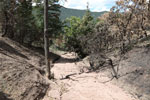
pixel 46 38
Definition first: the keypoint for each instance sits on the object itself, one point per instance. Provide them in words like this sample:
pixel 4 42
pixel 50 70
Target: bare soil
pixel 20 72
pixel 75 83
pixel 22 76
pixel 134 73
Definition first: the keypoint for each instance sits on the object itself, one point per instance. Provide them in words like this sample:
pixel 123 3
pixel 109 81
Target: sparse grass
pixel 63 90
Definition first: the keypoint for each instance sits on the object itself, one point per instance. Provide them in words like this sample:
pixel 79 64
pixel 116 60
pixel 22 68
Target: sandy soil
pixel 82 86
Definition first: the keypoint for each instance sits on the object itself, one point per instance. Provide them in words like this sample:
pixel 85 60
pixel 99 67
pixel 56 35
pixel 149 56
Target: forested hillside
pixel 68 12
pixel 48 52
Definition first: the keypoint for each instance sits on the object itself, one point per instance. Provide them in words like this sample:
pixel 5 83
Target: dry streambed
pixel 82 86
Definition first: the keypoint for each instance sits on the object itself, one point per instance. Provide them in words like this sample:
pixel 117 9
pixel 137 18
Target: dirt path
pixel 85 86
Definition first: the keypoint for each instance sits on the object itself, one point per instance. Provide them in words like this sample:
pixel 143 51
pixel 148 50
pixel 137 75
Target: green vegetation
pixel 77 28
pixel 23 23
pixel 79 32
pixel 54 23
pixel 68 12
pixel 119 28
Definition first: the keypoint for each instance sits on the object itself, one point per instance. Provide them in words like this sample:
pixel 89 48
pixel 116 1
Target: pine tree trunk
pixel 46 42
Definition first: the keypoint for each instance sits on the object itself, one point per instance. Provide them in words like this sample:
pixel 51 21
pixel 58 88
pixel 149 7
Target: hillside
pixel 68 12
pixel 76 82
pixel 22 78
pixel 21 72
pixel 49 52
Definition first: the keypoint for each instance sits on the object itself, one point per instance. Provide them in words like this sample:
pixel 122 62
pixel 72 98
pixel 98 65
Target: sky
pixel 94 5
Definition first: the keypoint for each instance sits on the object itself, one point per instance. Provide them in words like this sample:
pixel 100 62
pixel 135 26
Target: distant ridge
pixel 68 12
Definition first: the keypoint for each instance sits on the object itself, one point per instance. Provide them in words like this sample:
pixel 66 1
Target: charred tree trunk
pixel 46 38
pixel 142 26
pixel 113 69
pixel 5 26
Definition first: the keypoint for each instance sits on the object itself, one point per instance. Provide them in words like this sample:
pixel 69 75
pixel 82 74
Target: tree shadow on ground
pixel 67 60
pixel 55 58
pixel 4 96
pixel 6 47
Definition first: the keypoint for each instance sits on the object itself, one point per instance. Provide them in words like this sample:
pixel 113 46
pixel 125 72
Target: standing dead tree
pixel 127 16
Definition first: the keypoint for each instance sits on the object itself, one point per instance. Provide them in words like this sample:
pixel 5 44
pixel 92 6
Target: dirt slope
pixel 20 72
pixel 82 86
pixel 134 72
